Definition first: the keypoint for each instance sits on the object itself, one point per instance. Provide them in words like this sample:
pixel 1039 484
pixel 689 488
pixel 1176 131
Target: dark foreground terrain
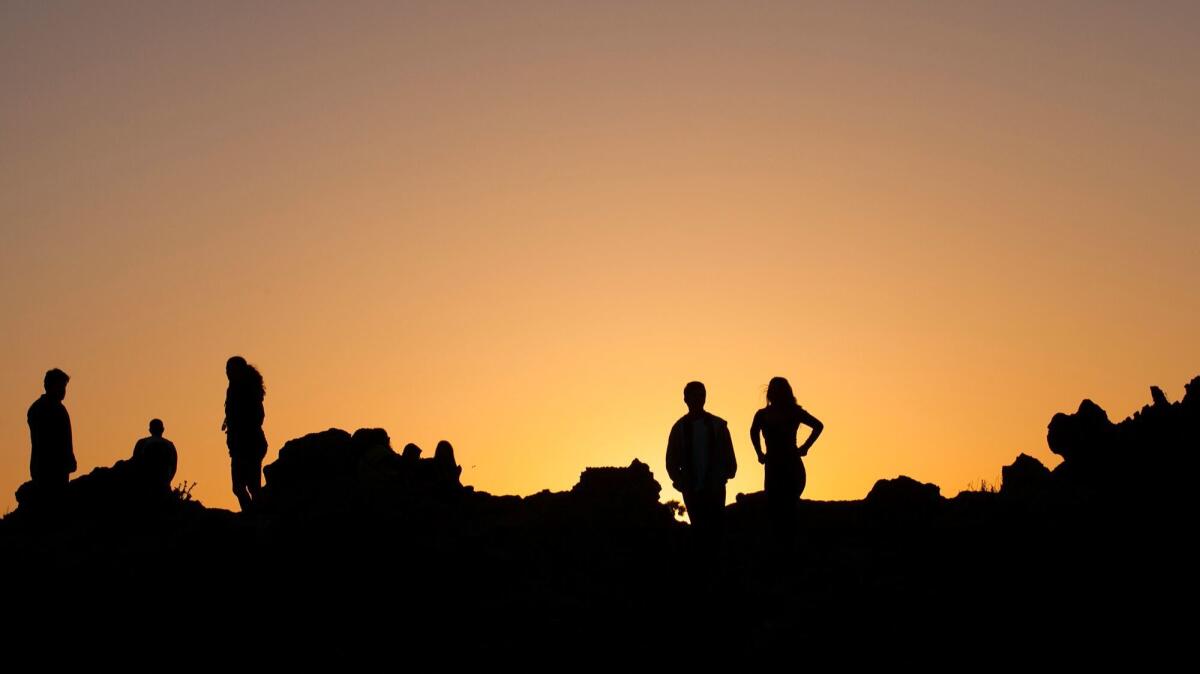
pixel 358 552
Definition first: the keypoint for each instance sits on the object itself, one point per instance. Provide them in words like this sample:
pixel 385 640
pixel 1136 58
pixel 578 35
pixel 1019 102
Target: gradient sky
pixel 523 226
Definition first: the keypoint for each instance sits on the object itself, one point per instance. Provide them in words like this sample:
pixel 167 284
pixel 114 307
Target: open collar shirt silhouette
pixel 700 453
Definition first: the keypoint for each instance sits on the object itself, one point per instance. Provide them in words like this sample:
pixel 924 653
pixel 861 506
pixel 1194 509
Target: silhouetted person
pixel 411 454
pixel 52 454
pixel 699 461
pixel 443 457
pixel 244 416
pixel 778 423
pixel 155 457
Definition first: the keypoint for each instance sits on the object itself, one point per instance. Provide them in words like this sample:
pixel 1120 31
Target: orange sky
pixel 524 226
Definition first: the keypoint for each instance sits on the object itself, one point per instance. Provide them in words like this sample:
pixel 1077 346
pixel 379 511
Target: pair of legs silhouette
pixel 246 454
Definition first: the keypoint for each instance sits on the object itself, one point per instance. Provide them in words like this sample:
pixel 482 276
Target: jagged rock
pixel 635 484
pixel 1149 456
pixel 365 439
pixel 313 457
pixel 1158 397
pixel 604 497
pixel 338 472
pixel 905 493
pixel 1191 396
pixel 1072 435
pixel 312 470
pixel 1026 478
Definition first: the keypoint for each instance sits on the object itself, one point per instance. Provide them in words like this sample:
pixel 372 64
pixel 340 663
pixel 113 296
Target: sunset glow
pixel 523 227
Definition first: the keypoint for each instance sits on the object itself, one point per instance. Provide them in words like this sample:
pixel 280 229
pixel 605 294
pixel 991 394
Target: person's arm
pixel 36 440
pixel 755 429
pixel 674 467
pixel 36 426
pixel 816 425
pixel 730 459
pixel 172 461
pixel 68 443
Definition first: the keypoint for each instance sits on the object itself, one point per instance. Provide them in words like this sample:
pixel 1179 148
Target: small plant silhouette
pixel 677 509
pixel 183 490
pixel 985 486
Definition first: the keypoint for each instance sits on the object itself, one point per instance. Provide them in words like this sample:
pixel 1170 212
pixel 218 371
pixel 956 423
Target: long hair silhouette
pixel 244 416
pixel 779 392
pixel 245 376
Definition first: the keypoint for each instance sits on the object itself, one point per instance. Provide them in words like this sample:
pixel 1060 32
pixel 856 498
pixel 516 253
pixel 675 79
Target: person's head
pixel 411 452
pixel 55 383
pixel 444 452
pixel 779 392
pixel 235 366
pixel 243 374
pixel 694 395
pixel 156 428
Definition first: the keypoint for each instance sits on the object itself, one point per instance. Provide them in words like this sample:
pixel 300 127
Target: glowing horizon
pixel 523 229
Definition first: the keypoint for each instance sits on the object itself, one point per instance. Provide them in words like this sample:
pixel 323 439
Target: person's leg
pixel 714 534
pixel 692 503
pixel 240 483
pixel 717 503
pixel 801 478
pixel 54 494
pixel 704 510
pixel 781 502
pixel 253 478
pixel 772 487
pixel 253 468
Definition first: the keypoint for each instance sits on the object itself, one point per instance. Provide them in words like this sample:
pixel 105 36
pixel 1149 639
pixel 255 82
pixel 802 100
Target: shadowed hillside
pixel 354 543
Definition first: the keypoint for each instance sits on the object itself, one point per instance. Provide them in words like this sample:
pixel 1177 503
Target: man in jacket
pixel 699 461
pixel 52 454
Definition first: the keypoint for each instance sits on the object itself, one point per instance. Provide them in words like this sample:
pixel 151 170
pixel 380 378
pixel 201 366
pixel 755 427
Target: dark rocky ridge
pixel 355 542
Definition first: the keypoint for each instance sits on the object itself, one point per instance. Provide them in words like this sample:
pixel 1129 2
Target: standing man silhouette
pixel 52 455
pixel 699 461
